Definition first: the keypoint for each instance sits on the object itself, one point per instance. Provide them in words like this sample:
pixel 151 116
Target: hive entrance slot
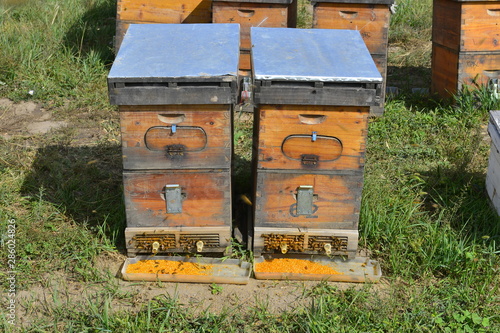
pixel 199 242
pixel 283 243
pixel 327 244
pixel 153 243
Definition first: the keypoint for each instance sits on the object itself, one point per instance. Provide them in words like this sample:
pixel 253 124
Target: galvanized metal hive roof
pixel 178 51
pixel 311 55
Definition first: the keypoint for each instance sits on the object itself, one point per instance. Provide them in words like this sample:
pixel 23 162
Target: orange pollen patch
pixel 294 266
pixel 169 267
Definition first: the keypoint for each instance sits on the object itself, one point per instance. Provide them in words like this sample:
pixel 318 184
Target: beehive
pixel 370 17
pixel 175 85
pixel 159 11
pixel 313 91
pixel 254 13
pixel 465 44
pixel 493 174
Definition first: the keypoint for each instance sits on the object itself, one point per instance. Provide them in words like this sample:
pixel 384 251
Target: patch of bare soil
pixel 27 119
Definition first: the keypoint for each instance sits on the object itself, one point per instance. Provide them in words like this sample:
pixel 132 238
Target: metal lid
pixel 281 2
pixel 327 55
pixel 178 51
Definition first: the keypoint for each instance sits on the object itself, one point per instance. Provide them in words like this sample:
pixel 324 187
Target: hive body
pixel 175 86
pixel 313 103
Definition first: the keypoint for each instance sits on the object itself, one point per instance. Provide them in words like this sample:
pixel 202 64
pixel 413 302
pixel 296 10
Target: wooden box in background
pixel 159 11
pixel 370 17
pixel 175 85
pixel 311 122
pixel 254 13
pixel 466 44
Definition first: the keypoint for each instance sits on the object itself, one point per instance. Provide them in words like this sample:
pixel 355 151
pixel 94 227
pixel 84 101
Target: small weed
pixel 215 289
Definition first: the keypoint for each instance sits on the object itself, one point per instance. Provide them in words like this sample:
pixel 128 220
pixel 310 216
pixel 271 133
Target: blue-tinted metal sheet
pixel 178 51
pixel 311 55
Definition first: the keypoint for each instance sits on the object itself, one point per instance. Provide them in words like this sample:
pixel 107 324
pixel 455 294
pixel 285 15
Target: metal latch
pixel 495 87
pixel 175 150
pixel 309 159
pixel 305 200
pixel 173 198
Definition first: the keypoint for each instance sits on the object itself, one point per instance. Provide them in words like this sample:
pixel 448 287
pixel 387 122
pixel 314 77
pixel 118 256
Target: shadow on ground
pixel 83 182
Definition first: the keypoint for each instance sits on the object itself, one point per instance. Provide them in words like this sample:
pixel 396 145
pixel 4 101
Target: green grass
pixel 425 215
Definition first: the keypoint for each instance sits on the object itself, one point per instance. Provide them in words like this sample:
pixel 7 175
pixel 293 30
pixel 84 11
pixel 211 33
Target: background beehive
pixel 254 13
pixel 465 44
pixel 159 11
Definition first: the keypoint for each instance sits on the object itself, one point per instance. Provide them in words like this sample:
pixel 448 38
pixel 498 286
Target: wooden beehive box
pixel 310 133
pixel 254 13
pixel 466 44
pixel 493 174
pixel 159 11
pixel 175 85
pixel 370 17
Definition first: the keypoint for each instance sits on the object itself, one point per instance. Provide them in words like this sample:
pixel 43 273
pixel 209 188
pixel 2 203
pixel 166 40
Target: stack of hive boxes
pixel 370 17
pixel 313 91
pixel 465 44
pixel 175 86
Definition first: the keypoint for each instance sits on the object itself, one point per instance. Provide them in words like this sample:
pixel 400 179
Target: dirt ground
pixel 267 295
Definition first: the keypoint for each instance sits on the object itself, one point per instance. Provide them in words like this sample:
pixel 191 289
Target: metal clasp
pixel 309 159
pixel 495 87
pixel 173 198
pixel 305 195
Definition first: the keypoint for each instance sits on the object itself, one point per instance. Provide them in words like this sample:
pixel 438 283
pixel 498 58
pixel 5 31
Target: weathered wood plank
pixel 300 95
pixel 153 94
